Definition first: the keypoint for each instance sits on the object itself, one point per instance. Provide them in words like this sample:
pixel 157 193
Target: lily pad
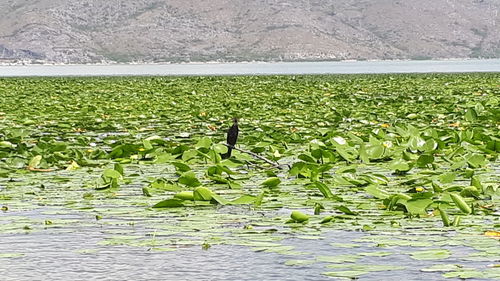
pixel 434 254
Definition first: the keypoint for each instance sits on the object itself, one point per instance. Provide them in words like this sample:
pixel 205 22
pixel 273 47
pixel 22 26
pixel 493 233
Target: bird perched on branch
pixel 232 137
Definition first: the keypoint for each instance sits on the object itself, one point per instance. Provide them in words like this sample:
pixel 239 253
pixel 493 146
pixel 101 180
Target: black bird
pixel 232 137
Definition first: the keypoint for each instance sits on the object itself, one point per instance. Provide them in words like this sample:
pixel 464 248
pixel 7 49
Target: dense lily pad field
pixel 404 160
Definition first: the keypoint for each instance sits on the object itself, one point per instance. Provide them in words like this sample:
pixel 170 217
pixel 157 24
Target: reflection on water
pixel 346 67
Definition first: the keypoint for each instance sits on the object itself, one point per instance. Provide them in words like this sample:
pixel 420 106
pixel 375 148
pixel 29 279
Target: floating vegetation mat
pixel 404 166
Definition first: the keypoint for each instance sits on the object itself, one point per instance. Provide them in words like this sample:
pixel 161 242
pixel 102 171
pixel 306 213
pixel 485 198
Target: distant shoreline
pixel 236 62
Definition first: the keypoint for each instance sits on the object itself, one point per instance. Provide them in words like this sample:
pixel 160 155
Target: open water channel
pixel 344 67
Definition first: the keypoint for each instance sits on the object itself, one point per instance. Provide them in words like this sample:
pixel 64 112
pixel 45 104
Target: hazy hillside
pixel 76 31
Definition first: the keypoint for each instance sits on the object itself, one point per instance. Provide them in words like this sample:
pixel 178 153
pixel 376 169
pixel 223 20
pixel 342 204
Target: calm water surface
pixel 58 255
pixel 346 67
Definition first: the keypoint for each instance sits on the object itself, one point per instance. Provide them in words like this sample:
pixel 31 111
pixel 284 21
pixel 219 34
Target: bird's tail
pixel 228 153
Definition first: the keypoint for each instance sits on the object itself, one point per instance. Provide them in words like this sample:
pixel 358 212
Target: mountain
pixel 76 31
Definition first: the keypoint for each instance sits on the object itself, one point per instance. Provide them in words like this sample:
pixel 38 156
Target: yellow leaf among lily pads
pixel 492 234
pixel 73 166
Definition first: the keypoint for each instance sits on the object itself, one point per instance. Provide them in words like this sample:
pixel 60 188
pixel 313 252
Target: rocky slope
pixel 75 31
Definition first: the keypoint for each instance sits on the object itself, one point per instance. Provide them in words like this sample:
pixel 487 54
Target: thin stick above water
pixel 275 164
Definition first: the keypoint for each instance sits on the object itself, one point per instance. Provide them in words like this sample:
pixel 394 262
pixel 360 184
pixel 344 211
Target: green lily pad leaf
pixel 327 219
pixel 306 158
pixel 412 116
pixel 324 189
pixel 169 203
pixel 164 185
pixel 7 144
pixel 476 181
pixel 119 168
pixel 375 151
pixel 376 179
pixel 234 185
pixel 73 166
pixel 464 274
pixel 351 274
pixel 376 254
pixel 458 164
pixel 145 192
pixel 189 179
pixel 376 192
pixel 185 195
pixel 181 167
pixel 444 217
pixel 430 145
pixel 447 177
pixel 220 148
pixel 344 154
pixel 367 227
pixel 205 142
pixel 339 140
pixel 425 160
pixel 417 206
pixel 434 254
pixel 442 268
pixel 363 154
pixel 460 202
pixel 400 166
pixel 259 198
pixel 189 154
pixel 111 173
pixel 282 250
pixel 476 160
pixel 367 267
pixel 10 255
pixel 219 199
pixel 416 143
pixel 299 216
pixel 35 161
pixel 493 273
pixel 202 194
pixel 163 158
pixel 346 210
pixel 470 191
pixel 346 169
pixel 271 182
pixel 147 144
pixel 219 179
pixel 470 115
pixel 244 199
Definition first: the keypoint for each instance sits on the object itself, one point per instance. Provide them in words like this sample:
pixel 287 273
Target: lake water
pixel 345 67
pixel 71 246
pixel 57 256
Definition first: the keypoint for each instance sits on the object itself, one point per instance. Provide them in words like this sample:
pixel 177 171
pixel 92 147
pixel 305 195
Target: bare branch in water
pixel 275 164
